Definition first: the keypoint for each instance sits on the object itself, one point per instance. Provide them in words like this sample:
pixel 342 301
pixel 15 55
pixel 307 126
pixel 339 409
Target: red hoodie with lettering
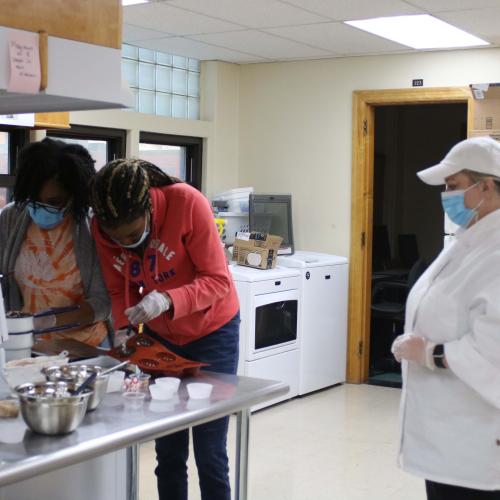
pixel 184 257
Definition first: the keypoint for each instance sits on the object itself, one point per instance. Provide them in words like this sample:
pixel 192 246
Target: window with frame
pixel 179 156
pixel 163 84
pixel 103 144
pixel 11 141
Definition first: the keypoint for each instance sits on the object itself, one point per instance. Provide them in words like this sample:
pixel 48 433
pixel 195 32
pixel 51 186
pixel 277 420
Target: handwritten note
pixel 24 63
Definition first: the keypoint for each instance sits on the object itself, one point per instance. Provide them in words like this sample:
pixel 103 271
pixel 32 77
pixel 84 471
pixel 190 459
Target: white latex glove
pixel 150 307
pixel 121 336
pixel 415 349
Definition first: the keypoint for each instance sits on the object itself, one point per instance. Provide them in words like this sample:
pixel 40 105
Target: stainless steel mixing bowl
pixel 76 374
pixel 48 407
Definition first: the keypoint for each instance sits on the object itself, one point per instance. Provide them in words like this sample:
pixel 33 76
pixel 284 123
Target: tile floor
pixel 337 444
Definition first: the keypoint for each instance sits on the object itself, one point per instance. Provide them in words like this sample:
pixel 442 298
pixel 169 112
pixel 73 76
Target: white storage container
pixel 237 199
pixel 235 222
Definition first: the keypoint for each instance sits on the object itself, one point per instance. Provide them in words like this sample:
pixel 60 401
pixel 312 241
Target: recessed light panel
pixel 133 2
pixel 418 31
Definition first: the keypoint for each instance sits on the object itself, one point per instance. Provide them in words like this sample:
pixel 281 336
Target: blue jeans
pixel 220 349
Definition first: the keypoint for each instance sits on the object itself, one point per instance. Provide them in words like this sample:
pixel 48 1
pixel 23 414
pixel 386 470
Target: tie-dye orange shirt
pixel 48 276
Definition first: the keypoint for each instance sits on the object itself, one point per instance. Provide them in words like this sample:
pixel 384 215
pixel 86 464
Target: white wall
pixel 220 105
pixel 286 127
pixel 218 125
pixel 295 128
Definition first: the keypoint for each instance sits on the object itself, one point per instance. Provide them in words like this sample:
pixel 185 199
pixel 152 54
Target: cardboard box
pixel 258 250
pixel 486 107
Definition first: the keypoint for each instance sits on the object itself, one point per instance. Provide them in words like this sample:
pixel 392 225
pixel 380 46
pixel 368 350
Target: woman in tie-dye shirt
pixel 46 249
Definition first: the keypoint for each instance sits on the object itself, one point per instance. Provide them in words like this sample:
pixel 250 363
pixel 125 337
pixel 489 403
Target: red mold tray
pixel 153 357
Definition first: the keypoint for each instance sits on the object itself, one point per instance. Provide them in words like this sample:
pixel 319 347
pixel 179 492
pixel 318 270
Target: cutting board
pixel 76 349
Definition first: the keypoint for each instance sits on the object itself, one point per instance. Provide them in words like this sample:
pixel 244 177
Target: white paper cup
pixel 199 390
pixel 161 391
pixel 172 382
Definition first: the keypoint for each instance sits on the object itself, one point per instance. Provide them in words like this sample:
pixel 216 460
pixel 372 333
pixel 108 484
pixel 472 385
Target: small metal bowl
pixel 48 407
pixel 76 374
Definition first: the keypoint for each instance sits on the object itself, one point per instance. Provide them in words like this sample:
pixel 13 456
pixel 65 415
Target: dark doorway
pixel 408 222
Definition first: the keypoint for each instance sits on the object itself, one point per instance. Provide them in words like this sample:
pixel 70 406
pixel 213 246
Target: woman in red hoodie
pixel 164 266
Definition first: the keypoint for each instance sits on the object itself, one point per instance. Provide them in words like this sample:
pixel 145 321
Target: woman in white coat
pixel 450 408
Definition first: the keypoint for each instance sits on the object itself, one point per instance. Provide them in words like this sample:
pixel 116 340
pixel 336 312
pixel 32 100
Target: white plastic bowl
pixel 172 382
pixel 20 371
pixel 161 391
pixel 21 324
pixel 199 390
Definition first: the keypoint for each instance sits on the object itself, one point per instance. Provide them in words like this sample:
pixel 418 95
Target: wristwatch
pixel 438 356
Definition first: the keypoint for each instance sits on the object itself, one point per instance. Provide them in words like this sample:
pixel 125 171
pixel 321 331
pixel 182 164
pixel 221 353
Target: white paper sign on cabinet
pixel 24 57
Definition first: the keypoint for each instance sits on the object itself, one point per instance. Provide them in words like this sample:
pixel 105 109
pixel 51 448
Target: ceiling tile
pixel 164 17
pixel 344 10
pixel 132 33
pixel 251 13
pixel 338 38
pixel 262 44
pixel 483 23
pixel 263 30
pixel 447 5
pixel 198 50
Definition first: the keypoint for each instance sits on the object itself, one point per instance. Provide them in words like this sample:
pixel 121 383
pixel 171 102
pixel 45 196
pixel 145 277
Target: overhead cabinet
pixel 80 55
pixel 98 22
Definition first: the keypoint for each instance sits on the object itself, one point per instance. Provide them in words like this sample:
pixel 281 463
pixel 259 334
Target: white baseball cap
pixel 478 154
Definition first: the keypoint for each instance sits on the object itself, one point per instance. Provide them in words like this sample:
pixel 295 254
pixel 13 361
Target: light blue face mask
pixel 45 216
pixel 454 205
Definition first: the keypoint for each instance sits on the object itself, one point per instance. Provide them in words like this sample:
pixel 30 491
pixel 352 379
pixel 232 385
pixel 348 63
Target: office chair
pixel 407 250
pixel 389 297
pixel 388 307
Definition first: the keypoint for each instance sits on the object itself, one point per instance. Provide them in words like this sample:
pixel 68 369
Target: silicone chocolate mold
pixel 153 357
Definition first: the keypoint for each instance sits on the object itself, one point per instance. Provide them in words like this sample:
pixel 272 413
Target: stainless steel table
pixel 113 426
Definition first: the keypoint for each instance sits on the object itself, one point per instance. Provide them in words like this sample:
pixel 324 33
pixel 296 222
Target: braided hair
pixel 120 190
pixel 69 164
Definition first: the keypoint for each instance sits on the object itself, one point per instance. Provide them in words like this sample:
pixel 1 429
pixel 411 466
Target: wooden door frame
pixel 363 133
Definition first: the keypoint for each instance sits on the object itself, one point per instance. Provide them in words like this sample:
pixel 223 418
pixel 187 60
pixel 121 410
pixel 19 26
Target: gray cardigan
pixel 14 222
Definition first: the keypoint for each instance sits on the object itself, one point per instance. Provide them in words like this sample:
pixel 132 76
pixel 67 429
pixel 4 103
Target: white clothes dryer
pixel 323 318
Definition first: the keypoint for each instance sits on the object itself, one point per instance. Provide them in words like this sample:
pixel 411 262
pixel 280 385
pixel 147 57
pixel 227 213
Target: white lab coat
pixel 451 417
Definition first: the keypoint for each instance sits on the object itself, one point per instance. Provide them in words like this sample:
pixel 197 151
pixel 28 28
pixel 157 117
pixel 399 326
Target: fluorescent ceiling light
pixel 133 2
pixel 419 32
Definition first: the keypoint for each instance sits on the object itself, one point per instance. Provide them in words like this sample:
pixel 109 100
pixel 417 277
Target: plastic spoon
pixel 113 368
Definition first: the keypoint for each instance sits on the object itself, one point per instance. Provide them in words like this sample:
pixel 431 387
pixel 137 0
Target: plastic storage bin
pixel 235 222
pixel 237 199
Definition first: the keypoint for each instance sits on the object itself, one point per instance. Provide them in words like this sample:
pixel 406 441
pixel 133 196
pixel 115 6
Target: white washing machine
pixel 323 318
pixel 270 325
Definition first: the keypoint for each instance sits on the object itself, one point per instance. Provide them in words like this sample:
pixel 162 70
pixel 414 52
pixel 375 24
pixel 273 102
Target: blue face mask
pixel 454 205
pixel 45 216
